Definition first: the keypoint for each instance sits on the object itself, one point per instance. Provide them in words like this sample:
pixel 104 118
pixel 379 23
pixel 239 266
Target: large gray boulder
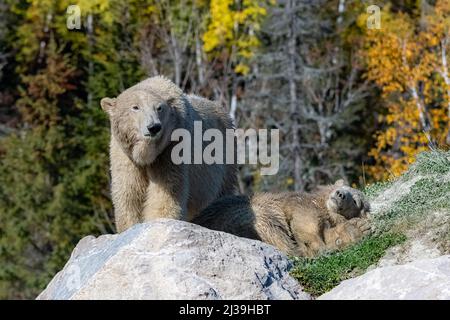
pixel 427 279
pixel 169 259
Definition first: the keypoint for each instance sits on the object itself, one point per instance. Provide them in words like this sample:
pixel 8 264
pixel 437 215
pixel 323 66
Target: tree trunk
pixel 90 37
pixel 422 113
pixel 293 102
pixel 341 11
pixel 423 118
pixel 199 59
pixel 444 73
pixel 233 104
pixel 177 59
pixel 43 43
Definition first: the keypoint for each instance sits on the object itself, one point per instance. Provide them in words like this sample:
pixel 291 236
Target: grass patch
pixel 426 195
pixel 432 162
pixel 429 194
pixel 321 274
pixel 373 190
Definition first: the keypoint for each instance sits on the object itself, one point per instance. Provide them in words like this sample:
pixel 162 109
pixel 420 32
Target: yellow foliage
pixel 404 61
pixel 289 181
pixel 242 69
pixel 232 29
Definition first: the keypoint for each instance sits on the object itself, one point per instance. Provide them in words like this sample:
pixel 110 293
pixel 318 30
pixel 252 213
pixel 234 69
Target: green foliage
pixel 232 28
pixel 426 195
pixel 433 162
pixel 54 184
pixel 373 190
pixel 321 274
pixel 51 193
pixel 430 193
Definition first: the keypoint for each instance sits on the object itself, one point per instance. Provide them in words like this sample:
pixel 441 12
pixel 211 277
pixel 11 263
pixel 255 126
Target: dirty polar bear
pixel 297 223
pixel 146 185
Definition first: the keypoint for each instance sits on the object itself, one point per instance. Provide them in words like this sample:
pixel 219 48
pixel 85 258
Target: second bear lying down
pixel 299 224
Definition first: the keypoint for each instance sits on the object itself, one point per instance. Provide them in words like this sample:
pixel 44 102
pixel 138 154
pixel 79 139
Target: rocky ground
pixel 423 279
pixel 406 257
pixel 169 259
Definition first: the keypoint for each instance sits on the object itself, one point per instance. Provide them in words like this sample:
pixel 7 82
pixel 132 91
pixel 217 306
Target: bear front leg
pixel 128 187
pixel 313 242
pixel 306 230
pixel 167 194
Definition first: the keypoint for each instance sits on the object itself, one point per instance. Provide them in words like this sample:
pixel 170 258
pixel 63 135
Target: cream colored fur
pixel 146 184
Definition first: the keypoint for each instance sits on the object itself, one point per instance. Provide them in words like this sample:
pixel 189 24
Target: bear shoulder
pixel 211 111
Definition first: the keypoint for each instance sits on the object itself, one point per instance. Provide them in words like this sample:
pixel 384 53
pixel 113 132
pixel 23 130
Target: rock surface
pixel 422 279
pixel 168 259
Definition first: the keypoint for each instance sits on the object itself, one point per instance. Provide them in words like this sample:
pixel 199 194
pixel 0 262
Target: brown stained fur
pixel 297 223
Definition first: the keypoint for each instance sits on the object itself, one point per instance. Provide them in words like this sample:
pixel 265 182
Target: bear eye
pixel 135 108
pixel 354 201
pixel 159 108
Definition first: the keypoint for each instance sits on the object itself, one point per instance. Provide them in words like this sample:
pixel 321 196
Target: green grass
pixel 373 190
pixel 432 162
pixel 321 274
pixel 426 195
pixel 431 193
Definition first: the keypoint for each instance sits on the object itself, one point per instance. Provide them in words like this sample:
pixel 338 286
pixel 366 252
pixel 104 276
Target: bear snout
pixel 341 194
pixel 153 129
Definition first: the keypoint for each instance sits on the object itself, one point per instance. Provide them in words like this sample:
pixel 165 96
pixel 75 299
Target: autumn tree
pixel 230 42
pixel 170 41
pixel 407 60
pixel 307 83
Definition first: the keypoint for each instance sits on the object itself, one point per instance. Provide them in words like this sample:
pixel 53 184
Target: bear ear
pixel 340 183
pixel 108 104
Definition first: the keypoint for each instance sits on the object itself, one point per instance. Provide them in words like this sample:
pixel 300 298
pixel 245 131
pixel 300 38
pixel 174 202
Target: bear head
pixel 144 116
pixel 347 201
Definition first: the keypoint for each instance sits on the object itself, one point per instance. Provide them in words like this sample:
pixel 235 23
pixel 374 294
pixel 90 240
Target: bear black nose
pixel 340 194
pixel 154 128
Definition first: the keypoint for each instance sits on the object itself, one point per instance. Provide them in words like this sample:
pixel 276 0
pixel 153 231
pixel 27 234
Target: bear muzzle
pixel 153 130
